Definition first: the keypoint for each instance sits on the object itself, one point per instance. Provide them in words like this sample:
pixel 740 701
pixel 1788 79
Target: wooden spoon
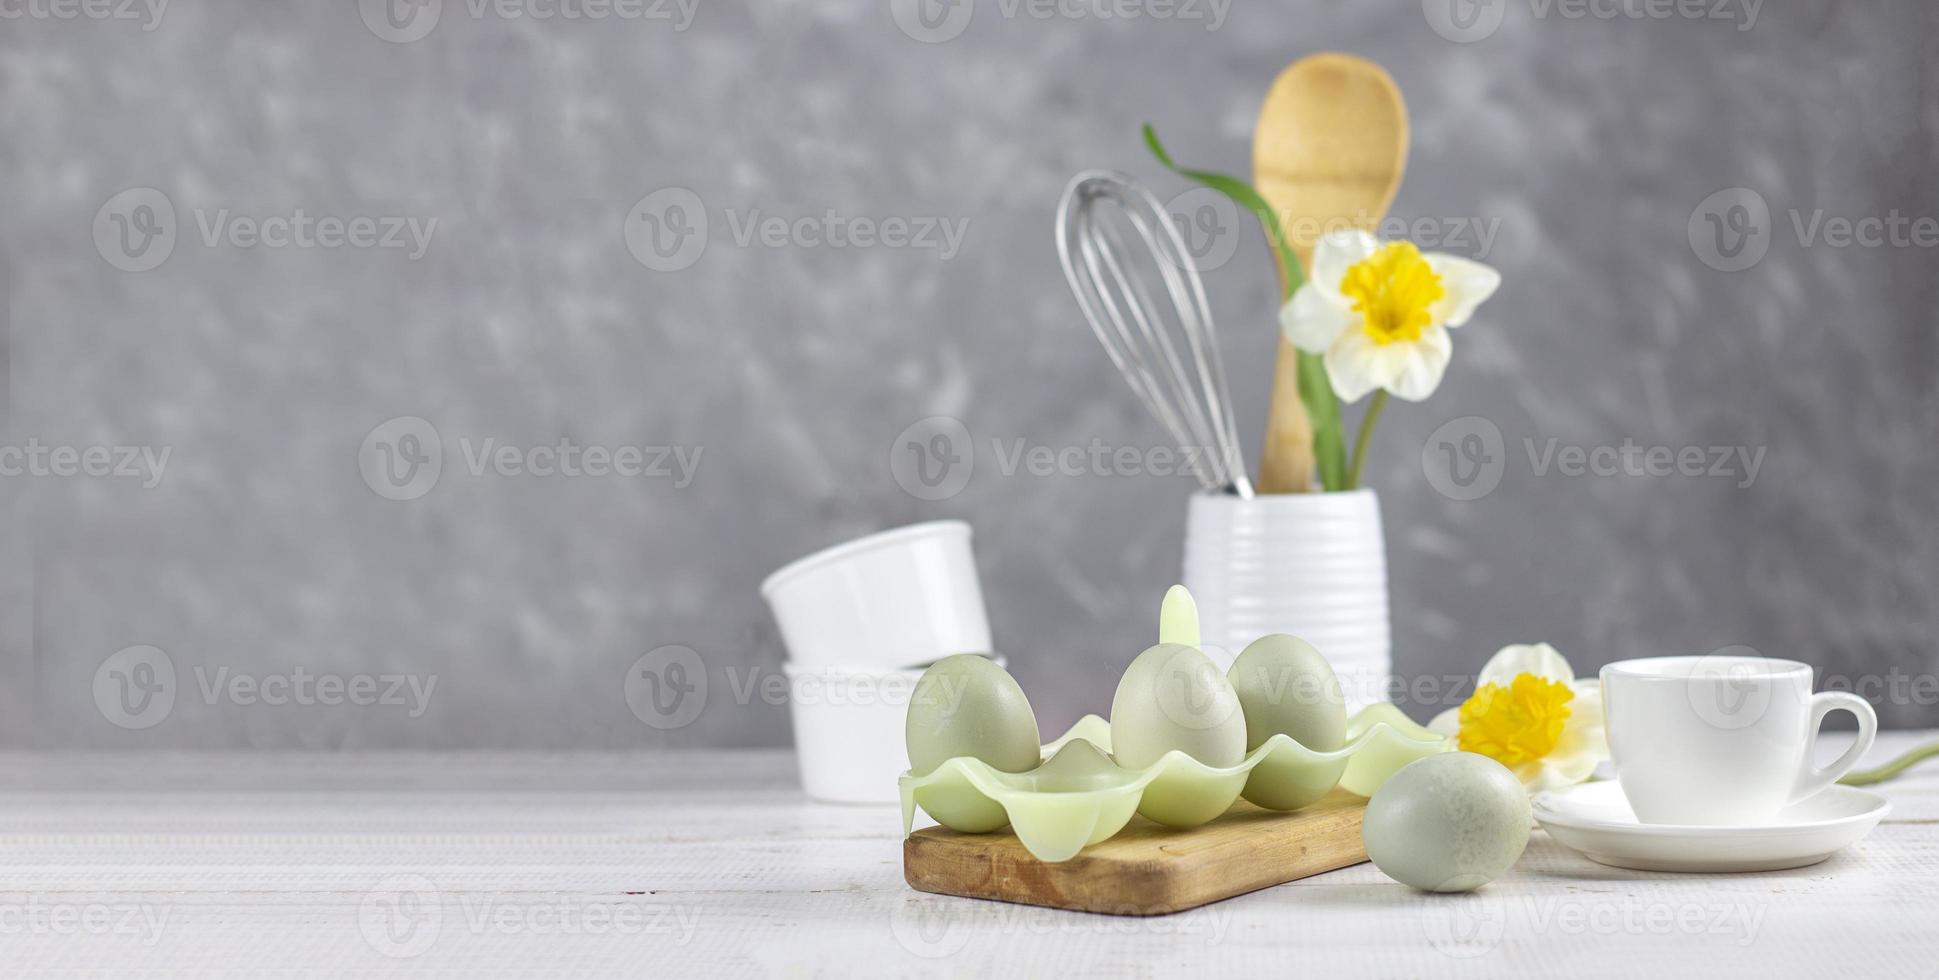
pixel 1329 152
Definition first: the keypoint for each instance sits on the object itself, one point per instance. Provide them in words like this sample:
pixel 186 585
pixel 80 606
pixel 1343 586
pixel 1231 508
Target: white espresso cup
pixel 1721 740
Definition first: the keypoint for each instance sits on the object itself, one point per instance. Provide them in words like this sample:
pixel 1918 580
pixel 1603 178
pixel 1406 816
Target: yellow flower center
pixel 1518 723
pixel 1392 290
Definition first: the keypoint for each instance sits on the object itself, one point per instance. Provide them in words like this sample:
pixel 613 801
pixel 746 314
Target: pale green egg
pixel 1447 823
pixel 1173 697
pixel 966 705
pixel 1286 687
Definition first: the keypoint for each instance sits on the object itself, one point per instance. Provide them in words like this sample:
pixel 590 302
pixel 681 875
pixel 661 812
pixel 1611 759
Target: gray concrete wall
pixel 1587 146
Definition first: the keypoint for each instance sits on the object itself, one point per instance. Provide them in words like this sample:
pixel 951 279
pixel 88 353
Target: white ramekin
pixel 899 598
pixel 1310 564
pixel 848 730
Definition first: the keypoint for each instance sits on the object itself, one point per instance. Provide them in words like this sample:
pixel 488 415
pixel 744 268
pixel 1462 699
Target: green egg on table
pixel 966 705
pixel 1447 823
pixel 1173 697
pixel 1285 686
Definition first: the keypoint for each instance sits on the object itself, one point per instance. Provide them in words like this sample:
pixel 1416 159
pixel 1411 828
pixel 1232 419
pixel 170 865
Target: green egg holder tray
pixel 1079 795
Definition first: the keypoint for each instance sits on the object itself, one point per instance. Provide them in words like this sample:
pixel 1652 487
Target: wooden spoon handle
pixel 1330 147
pixel 1286 464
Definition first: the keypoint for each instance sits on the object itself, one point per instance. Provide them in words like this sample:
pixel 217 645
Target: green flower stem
pixel 1866 777
pixel 1366 436
pixel 1315 389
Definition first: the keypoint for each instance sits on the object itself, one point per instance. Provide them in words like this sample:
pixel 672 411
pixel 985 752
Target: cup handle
pixel 1812 781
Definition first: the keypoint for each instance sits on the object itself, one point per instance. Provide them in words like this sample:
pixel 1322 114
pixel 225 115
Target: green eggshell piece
pixel 1447 823
pixel 966 705
pixel 1173 697
pixel 1286 687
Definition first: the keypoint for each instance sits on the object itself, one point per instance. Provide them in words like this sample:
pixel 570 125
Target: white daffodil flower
pixel 1532 714
pixel 1380 313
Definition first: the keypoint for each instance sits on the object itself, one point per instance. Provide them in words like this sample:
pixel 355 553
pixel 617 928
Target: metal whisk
pixel 1137 333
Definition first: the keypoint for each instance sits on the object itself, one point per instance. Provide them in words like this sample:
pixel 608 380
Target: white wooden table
pixel 713 864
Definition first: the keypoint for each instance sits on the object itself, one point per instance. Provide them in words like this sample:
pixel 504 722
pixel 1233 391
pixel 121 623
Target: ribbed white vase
pixel 1310 564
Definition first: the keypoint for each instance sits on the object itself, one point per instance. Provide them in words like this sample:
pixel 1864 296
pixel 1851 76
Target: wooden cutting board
pixel 1147 869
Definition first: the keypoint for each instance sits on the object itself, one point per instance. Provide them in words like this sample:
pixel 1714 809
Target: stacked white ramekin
pixel 861 621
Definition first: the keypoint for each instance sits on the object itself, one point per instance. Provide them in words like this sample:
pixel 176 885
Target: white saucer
pixel 1595 819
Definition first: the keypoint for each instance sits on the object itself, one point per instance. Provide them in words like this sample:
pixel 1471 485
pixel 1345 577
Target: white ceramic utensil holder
pixel 1310 564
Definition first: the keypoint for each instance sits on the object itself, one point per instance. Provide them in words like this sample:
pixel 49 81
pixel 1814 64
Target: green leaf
pixel 1244 196
pixel 1315 389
